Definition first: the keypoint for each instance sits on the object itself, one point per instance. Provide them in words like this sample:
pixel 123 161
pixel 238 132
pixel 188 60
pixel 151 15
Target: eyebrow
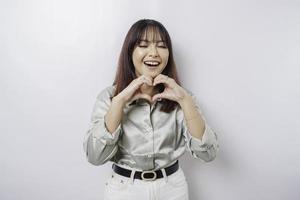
pixel 143 40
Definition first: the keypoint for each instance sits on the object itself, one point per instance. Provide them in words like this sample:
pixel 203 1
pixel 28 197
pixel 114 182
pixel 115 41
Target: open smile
pixel 152 63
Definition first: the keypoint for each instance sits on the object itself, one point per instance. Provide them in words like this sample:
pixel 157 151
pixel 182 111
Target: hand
pixel 133 92
pixel 172 90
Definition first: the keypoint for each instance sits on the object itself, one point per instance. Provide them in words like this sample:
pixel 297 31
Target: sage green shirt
pixel 146 139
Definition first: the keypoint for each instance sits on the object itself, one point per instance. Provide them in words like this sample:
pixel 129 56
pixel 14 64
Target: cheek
pixel 137 55
pixel 165 56
pixel 137 58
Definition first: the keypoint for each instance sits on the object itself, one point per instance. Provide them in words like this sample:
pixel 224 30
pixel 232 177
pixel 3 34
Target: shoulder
pixel 106 92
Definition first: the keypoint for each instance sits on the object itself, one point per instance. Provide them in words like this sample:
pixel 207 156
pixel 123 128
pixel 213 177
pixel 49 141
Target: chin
pixel 153 74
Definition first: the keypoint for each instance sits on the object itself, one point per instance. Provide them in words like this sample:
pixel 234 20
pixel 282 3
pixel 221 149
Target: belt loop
pixel 112 173
pixel 132 176
pixel 165 175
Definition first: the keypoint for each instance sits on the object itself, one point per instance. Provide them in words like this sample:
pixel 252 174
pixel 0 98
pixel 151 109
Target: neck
pixel 150 90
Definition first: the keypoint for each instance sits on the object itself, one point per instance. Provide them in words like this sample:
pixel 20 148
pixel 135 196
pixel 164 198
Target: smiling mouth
pixel 152 63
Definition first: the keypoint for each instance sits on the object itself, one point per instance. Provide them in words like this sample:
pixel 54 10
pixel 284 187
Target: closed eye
pixel 143 46
pixel 162 46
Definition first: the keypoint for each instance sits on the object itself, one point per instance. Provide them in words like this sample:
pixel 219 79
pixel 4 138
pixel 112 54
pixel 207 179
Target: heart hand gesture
pixel 172 90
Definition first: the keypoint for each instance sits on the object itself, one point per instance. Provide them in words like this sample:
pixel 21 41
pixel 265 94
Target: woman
pixel 146 120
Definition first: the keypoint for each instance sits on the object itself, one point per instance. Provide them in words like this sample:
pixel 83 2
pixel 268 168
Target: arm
pixel 202 141
pixel 114 115
pixel 194 121
pixel 100 141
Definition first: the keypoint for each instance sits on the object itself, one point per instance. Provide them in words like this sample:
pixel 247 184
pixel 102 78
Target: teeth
pixel 151 62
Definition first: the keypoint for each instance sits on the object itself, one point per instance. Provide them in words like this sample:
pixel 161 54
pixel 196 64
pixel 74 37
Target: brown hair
pixel 126 71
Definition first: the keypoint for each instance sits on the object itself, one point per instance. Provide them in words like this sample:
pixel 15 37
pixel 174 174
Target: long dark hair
pixel 126 71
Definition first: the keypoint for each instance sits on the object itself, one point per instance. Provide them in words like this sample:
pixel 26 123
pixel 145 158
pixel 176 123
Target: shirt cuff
pixel 209 140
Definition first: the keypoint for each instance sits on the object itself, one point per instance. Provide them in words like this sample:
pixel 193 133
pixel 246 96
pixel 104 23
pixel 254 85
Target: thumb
pixel 142 96
pixel 157 97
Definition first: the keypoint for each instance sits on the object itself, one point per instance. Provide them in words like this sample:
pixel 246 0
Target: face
pixel 150 56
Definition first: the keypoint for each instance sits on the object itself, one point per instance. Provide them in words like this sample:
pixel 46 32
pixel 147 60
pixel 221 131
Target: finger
pixel 139 82
pixel 164 80
pixel 145 79
pixel 159 76
pixel 158 97
pixel 146 96
pixel 157 81
pixel 149 78
pixel 135 97
pixel 142 96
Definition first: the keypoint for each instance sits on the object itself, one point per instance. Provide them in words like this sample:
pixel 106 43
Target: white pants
pixel 172 187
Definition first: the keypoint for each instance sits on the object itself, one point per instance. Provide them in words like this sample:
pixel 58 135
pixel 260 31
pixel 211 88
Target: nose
pixel 153 51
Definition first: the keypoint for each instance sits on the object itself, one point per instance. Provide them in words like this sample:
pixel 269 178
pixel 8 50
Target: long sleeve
pixel 206 148
pixel 100 145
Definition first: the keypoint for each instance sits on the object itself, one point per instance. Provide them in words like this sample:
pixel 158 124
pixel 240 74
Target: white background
pixel 240 58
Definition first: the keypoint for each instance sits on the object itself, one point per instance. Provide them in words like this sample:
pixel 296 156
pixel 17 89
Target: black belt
pixel 146 175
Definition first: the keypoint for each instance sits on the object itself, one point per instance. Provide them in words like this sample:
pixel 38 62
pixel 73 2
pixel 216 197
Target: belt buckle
pixel 149 179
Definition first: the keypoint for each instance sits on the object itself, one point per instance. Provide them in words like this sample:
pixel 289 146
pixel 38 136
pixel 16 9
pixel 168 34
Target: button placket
pixel 148 123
